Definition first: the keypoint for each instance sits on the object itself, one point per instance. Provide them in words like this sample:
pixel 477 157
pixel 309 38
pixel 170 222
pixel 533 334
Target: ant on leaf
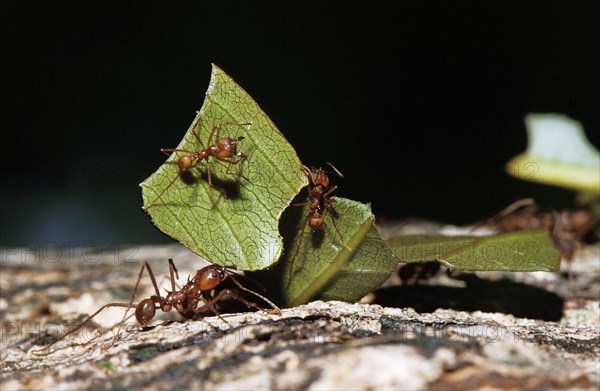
pixel 319 203
pixel 199 294
pixel 224 149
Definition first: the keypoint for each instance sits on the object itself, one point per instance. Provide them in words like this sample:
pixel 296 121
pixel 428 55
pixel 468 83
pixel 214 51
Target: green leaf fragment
pixel 336 264
pixel 528 250
pixel 235 223
pixel 558 154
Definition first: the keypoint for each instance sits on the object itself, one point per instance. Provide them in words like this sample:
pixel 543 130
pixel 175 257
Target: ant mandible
pixel 224 149
pixel 196 296
pixel 319 203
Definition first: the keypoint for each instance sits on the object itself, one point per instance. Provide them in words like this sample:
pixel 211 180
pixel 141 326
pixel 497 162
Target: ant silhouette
pixel 199 294
pixel 319 203
pixel 224 149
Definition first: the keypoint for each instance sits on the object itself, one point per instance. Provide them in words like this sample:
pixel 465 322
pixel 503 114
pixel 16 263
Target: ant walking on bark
pixel 319 203
pixel 199 294
pixel 224 149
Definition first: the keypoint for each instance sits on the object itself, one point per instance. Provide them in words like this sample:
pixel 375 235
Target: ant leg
pixel 328 192
pixel 332 214
pixel 301 203
pixel 197 137
pixel 207 299
pixel 522 203
pixel 212 133
pixel 209 175
pixel 173 272
pixel 246 278
pixel 241 157
pixel 83 323
pixel 146 265
pixel 227 292
pixel 231 160
pixel 145 208
pixel 194 133
pixel 338 230
pixel 255 294
pixel 169 151
pixel 299 244
pixel 238 124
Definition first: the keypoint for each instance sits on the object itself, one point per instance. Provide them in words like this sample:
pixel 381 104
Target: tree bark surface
pixel 321 345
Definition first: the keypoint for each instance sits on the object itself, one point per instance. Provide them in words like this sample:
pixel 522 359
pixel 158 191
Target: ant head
pixel 227 147
pixel 144 312
pixel 316 176
pixel 209 277
pixel 185 162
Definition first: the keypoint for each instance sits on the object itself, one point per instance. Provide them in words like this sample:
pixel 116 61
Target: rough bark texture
pixel 331 345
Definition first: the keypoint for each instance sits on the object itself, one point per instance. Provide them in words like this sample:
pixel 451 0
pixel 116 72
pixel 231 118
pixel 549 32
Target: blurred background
pixel 419 103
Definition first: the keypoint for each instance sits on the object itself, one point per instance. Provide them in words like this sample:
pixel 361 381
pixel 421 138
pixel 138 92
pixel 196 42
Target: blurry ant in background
pixel 319 203
pixel 224 150
pixel 567 228
pixel 199 294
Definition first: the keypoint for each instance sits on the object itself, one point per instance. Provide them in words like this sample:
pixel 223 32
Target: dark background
pixel 420 103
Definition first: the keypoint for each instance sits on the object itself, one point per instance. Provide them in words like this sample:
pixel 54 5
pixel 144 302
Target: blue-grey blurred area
pixel 419 104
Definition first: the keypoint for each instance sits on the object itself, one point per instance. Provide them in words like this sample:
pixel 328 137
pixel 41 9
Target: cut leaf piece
pixel 528 250
pixel 334 264
pixel 234 223
pixel 558 154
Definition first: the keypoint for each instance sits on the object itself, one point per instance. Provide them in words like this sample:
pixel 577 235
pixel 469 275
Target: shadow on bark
pixel 502 296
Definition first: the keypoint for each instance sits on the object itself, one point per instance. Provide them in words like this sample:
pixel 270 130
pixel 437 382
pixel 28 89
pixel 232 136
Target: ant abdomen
pixel 145 311
pixel 185 163
pixel 316 222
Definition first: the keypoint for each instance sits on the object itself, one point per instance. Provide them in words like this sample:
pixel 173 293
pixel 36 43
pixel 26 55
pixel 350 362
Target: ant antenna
pixel 335 170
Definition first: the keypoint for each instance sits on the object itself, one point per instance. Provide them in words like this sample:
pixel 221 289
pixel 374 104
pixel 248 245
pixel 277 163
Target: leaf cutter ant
pixel 567 228
pixel 319 203
pixel 224 149
pixel 199 294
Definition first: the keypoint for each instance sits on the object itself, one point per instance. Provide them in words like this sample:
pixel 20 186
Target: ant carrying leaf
pixel 320 203
pixel 200 293
pixel 567 228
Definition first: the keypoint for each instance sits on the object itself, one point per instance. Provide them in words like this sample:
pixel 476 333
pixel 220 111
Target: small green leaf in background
pixel 240 229
pixel 558 154
pixel 108 365
pixel 332 265
pixel 528 250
